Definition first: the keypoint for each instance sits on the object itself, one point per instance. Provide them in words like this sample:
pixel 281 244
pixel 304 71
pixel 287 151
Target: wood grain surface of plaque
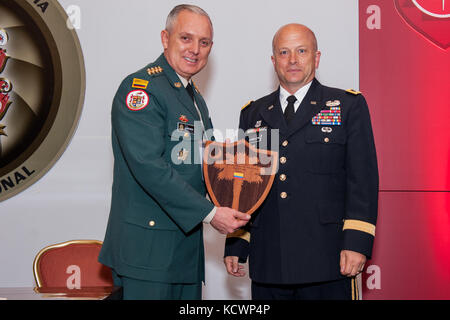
pixel 237 175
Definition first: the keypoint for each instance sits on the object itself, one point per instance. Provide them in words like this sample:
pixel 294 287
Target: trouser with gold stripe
pixel 344 289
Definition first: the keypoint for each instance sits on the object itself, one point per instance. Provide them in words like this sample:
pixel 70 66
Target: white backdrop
pixel 119 37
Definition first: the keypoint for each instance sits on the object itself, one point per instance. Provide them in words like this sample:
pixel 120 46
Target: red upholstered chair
pixel 72 265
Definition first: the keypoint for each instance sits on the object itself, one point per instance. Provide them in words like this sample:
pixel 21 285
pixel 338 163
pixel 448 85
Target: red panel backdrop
pixel 405 76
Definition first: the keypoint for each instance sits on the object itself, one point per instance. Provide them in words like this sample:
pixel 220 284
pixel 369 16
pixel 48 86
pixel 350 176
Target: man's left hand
pixel 352 263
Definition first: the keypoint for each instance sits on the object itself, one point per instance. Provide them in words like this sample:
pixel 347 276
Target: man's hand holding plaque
pixel 227 220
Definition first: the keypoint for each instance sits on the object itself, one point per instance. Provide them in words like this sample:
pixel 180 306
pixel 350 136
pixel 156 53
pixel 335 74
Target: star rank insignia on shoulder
pixel 247 105
pixel 154 70
pixel 354 92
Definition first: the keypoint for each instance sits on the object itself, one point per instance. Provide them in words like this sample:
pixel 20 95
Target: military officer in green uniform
pixel 154 240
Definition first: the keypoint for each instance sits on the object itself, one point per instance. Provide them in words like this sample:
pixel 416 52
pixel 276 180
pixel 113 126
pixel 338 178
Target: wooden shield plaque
pixel 237 175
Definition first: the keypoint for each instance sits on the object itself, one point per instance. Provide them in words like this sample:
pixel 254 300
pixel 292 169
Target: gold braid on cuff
pixel 360 226
pixel 241 233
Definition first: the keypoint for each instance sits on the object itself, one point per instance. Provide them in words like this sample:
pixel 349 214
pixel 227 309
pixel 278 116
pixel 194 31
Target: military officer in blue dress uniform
pixel 315 230
pixel 154 240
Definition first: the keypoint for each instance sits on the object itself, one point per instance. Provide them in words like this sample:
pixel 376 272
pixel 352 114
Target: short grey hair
pixel 171 18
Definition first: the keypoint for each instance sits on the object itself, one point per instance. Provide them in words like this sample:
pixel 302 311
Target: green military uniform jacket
pixel 158 202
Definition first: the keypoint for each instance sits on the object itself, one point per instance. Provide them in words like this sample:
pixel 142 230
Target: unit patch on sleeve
pixel 137 100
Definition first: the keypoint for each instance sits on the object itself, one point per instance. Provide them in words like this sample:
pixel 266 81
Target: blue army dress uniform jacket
pixel 154 230
pixel 325 194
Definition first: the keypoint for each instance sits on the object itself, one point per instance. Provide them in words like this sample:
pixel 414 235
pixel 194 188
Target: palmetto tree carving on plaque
pixel 238 175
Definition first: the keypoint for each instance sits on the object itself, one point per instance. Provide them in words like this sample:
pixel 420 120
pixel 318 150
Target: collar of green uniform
pixel 168 70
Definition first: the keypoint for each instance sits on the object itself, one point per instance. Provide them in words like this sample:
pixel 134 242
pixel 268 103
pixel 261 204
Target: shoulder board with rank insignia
pixel 248 103
pixel 154 71
pixel 353 92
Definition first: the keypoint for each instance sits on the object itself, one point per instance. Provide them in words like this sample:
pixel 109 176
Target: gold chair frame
pixel 53 246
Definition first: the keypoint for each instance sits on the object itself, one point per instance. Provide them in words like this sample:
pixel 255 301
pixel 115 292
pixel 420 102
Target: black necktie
pixel 289 113
pixel 190 90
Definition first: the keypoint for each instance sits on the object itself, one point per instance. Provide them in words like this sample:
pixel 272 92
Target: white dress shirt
pixel 300 95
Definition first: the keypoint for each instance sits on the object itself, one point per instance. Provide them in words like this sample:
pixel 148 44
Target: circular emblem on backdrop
pixel 430 18
pixel 42 85
pixel 3 37
pixel 137 100
pixel 433 8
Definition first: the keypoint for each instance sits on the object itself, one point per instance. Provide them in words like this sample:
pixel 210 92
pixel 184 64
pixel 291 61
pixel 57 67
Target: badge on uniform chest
pixel 256 130
pixel 255 134
pixel 185 127
pixel 329 117
pixel 183 154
